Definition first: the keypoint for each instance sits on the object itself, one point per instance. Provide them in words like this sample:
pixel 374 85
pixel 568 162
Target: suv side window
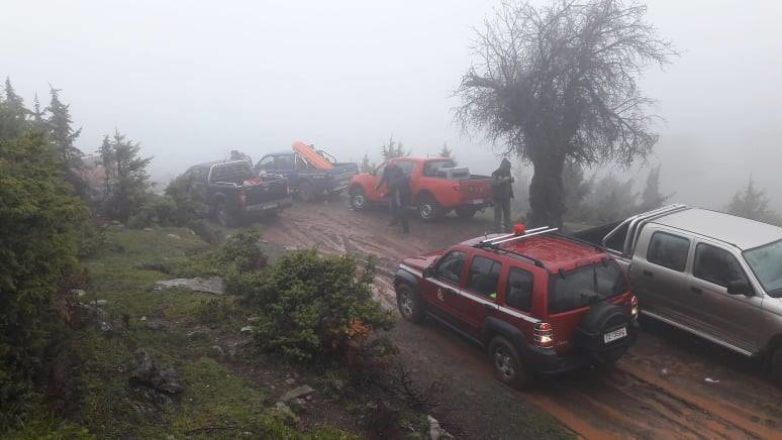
pixel 450 267
pixel 267 163
pixel 518 292
pixel 668 250
pixel 716 265
pixel 406 166
pixel 484 275
pixel 284 162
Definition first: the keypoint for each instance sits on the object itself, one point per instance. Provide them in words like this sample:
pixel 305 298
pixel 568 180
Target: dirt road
pixel 669 385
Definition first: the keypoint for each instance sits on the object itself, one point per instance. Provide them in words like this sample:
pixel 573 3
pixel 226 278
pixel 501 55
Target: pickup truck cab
pixel 714 275
pixel 539 302
pixel 233 192
pixel 305 180
pixel 437 187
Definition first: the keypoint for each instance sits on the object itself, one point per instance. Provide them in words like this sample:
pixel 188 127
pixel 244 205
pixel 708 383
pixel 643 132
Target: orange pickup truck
pixel 437 187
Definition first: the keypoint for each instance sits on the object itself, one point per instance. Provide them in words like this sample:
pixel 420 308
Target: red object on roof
pixel 310 155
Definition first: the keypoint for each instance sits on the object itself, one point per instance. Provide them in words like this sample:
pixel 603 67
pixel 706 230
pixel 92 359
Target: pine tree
pixel 393 149
pixel 14 103
pixel 651 197
pixel 750 203
pixel 445 151
pixel 366 165
pixel 127 181
pixel 107 158
pixel 37 113
pixel 61 132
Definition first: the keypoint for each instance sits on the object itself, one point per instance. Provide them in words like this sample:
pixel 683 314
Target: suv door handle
pixel 696 289
pixel 648 273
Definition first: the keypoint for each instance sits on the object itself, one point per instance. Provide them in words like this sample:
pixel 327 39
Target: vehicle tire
pixel 428 208
pixel 410 304
pixel 307 191
pixel 466 213
pixel 775 365
pixel 224 216
pixel 358 199
pixel 508 366
pixel 602 318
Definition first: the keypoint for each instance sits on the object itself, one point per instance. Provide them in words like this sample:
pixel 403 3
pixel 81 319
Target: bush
pixel 38 249
pixel 313 307
pixel 239 254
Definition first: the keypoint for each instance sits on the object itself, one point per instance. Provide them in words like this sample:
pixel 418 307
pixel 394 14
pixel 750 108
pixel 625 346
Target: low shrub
pixel 313 307
pixel 239 254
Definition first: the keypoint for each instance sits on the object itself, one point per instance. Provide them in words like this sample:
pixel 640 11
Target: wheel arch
pixel 494 327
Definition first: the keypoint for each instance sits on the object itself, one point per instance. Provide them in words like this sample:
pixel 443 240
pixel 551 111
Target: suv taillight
pixel 544 335
pixel 634 306
pixel 242 198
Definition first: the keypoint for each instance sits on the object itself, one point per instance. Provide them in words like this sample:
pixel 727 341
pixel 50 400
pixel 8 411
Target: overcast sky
pixel 191 80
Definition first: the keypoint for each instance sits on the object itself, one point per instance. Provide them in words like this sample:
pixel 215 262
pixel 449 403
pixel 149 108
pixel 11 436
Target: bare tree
pixel 560 82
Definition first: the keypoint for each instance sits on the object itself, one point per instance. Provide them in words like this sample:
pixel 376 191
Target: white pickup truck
pixel 712 274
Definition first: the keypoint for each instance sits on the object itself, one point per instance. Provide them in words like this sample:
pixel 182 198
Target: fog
pixel 193 80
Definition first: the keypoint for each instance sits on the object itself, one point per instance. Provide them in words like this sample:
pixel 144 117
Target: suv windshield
pixel 235 172
pixel 580 287
pixel 766 263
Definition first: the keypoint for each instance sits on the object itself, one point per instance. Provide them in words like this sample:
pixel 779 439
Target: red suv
pixel 539 301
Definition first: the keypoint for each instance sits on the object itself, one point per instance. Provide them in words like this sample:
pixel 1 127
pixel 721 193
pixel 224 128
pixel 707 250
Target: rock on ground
pixel 298 392
pixel 148 372
pixel 436 432
pixel 213 285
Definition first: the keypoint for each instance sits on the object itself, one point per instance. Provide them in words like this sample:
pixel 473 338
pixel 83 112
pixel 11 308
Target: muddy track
pixel 659 390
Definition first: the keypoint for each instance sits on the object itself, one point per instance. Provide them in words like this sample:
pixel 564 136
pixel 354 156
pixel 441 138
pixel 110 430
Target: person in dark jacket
pixel 502 192
pixel 398 184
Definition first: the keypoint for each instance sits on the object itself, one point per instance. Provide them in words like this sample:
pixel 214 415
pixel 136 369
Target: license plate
pixel 614 335
pixel 478 202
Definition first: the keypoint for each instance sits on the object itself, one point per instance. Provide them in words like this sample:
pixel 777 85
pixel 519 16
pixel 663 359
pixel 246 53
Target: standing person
pixel 400 195
pixel 502 192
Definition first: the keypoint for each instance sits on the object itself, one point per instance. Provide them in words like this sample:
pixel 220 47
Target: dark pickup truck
pixel 233 192
pixel 306 180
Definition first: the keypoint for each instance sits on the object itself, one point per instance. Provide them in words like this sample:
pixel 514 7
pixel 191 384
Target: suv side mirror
pixel 428 272
pixel 740 287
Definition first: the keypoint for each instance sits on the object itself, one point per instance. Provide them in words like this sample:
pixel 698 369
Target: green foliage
pixel 366 165
pixel 609 200
pixel 179 190
pixel 651 197
pixel 38 247
pixel 313 307
pixel 752 203
pixel 238 255
pixel 445 152
pixel 61 134
pixel 393 149
pixel 127 181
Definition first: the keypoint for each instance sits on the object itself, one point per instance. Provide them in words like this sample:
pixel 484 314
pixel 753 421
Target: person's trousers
pixel 399 211
pixel 502 215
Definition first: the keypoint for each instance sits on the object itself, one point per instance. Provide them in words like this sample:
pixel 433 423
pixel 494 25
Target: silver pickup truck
pixel 712 274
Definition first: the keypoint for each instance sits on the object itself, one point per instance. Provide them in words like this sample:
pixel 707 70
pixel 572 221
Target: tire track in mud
pixel 633 401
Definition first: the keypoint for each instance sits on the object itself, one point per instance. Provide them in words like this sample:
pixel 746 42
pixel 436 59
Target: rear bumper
pixel 546 361
pixel 270 206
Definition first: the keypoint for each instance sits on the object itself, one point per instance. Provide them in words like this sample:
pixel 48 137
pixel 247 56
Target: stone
pixel 218 350
pixel 297 393
pixel 253 319
pixel 436 432
pixel 78 292
pixel 214 285
pixel 174 236
pixel 246 329
pixel 101 302
pixel 143 318
pixel 148 372
pixel 290 381
pixel 286 411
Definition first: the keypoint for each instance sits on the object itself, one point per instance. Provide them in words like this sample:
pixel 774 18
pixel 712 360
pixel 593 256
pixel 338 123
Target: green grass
pixel 216 403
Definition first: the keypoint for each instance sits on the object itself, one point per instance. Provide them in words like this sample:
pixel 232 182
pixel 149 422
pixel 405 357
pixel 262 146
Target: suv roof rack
pixel 495 242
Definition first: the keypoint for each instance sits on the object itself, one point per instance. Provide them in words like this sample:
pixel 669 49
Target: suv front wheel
pixel 410 305
pixel 508 366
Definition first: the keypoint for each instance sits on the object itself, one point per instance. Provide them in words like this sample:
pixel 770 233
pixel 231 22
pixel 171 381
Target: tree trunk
pixel 546 192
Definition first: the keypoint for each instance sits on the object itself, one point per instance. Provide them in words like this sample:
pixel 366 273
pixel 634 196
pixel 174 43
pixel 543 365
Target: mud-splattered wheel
pixel 507 365
pixel 224 216
pixel 410 305
pixel 358 199
pixel 428 208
